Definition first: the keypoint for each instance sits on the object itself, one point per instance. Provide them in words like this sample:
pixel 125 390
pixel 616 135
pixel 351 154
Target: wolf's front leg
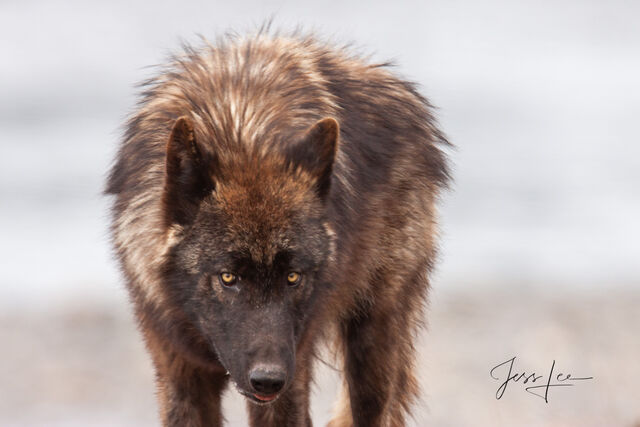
pixel 380 386
pixel 190 397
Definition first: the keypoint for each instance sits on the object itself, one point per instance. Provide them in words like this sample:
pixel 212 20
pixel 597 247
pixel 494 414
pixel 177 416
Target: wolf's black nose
pixel 267 379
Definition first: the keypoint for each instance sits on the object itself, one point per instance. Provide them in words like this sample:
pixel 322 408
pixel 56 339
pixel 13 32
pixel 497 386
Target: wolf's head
pixel 247 268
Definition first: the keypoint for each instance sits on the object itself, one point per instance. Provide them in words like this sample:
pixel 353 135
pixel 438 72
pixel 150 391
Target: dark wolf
pixel 271 193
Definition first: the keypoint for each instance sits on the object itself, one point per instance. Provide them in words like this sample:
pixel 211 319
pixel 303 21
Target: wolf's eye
pixel 228 279
pixel 293 278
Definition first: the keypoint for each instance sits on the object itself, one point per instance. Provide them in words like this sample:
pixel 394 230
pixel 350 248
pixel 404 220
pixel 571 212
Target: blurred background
pixel 540 233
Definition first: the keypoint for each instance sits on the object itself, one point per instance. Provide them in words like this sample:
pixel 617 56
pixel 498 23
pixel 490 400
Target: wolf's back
pixel 258 94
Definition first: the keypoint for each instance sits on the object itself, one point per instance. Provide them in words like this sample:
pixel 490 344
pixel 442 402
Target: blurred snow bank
pixel 540 98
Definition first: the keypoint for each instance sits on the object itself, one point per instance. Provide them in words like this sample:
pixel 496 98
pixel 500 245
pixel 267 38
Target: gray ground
pixel 68 366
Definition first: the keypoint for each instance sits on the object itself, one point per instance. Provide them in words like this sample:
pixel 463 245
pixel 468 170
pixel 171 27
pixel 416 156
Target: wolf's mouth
pixel 261 399
pixel 268 398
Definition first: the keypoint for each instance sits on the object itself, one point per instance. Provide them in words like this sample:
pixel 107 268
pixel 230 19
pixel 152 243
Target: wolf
pixel 271 193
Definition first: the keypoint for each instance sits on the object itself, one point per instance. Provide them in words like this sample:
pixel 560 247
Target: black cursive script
pixel 561 380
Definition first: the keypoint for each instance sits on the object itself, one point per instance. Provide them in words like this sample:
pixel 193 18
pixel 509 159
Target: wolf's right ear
pixel 316 152
pixel 187 175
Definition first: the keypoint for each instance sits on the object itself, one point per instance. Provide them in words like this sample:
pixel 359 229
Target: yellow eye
pixel 293 278
pixel 228 279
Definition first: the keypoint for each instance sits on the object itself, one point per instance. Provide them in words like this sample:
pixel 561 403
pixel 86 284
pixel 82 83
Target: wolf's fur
pixel 241 106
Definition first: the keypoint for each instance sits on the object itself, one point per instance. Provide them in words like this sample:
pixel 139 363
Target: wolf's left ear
pixel 316 152
pixel 187 174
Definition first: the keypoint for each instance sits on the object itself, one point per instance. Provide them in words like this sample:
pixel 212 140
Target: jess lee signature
pixel 506 373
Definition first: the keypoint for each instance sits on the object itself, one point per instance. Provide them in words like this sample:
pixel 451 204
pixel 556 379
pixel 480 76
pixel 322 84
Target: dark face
pixel 250 282
pixel 252 247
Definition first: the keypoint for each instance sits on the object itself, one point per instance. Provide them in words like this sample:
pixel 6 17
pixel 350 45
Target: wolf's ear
pixel 187 175
pixel 316 152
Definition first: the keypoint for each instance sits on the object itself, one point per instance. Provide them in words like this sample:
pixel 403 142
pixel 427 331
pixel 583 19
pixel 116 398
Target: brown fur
pixel 231 111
